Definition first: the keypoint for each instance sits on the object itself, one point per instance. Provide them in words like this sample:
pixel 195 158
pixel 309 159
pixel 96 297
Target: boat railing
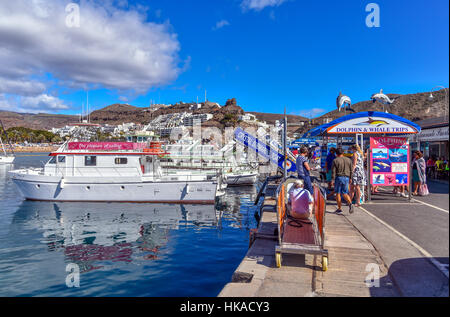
pixel 200 165
pixel 94 171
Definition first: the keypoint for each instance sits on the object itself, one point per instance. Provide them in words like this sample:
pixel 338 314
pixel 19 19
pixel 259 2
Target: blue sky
pixel 293 53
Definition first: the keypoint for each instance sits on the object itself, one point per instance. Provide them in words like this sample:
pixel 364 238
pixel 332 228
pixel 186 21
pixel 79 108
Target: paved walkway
pixel 352 258
pixel 349 256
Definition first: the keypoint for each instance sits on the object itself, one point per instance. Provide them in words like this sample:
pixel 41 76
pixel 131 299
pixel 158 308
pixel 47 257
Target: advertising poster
pixel 389 161
pixel 325 149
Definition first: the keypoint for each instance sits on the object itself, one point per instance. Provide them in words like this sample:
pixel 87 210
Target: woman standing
pixel 419 171
pixel 358 175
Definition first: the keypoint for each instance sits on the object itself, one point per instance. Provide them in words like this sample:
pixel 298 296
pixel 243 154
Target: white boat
pixel 207 159
pixel 113 172
pixel 240 178
pixel 4 157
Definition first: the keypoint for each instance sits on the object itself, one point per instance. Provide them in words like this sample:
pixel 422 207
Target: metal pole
pixel 285 144
pixel 369 168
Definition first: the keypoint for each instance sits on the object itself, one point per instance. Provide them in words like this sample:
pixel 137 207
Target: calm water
pixel 120 249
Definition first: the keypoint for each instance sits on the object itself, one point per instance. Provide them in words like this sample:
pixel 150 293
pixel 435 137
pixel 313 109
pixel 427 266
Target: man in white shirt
pixel 300 203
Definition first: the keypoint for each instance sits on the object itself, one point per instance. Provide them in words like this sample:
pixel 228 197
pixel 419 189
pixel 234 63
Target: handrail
pixel 319 208
pixel 320 203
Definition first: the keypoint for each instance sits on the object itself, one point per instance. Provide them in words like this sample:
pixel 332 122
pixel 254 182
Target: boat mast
pixel 87 106
pixel 7 140
pixel 285 144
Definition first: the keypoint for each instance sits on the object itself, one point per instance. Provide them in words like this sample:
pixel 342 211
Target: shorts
pixel 341 185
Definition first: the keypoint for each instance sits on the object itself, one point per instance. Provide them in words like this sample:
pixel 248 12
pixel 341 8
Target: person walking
pixel 328 163
pixel 419 171
pixel 341 173
pixel 358 174
pixel 303 170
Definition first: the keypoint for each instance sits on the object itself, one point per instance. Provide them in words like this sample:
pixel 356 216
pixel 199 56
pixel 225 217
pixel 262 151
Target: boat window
pixel 61 159
pixel 90 160
pixel 121 160
pixel 52 160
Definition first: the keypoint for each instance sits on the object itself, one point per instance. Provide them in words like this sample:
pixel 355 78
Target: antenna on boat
pixel 87 105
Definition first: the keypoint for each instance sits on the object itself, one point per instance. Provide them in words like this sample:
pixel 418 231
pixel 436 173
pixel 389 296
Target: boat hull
pixel 45 188
pixel 240 179
pixel 6 159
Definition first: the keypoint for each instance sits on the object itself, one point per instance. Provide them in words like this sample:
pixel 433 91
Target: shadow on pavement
pixel 415 277
pixel 437 187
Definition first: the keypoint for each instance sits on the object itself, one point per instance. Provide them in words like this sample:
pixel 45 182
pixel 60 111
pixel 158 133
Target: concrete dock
pixel 370 245
pixel 351 261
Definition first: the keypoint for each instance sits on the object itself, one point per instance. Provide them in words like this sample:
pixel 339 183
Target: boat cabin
pixel 101 162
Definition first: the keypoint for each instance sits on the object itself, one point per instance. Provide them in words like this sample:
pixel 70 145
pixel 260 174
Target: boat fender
pixel 62 183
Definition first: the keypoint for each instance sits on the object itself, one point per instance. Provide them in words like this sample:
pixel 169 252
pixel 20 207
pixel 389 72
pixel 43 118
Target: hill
pixel 272 117
pixel 412 106
pixel 40 121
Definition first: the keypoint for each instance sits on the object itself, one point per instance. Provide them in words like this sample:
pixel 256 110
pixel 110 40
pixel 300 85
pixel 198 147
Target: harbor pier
pixel 365 260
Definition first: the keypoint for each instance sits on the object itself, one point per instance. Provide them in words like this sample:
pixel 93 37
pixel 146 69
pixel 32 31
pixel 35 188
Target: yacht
pixel 207 159
pixel 114 172
pixel 5 158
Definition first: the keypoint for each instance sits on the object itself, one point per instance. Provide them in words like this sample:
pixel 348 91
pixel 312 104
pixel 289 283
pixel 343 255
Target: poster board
pixel 325 149
pixel 389 161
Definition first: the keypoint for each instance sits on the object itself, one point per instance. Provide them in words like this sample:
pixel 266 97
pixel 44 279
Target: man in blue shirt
pixel 303 170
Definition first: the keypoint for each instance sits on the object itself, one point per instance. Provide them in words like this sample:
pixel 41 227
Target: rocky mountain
pixel 272 117
pixel 40 121
pixel 413 107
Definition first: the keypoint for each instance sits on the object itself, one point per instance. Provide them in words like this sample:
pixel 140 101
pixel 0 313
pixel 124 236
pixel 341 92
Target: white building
pixel 189 120
pixel 196 106
pixel 247 117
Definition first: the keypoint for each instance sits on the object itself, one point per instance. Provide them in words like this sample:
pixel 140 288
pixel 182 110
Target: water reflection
pixel 234 200
pixel 4 168
pixel 123 249
pixel 91 232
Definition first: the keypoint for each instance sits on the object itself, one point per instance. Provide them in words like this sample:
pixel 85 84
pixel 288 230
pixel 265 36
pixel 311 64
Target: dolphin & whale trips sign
pixel 371 125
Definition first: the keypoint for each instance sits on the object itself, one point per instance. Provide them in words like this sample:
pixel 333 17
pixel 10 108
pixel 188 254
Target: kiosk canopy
pixel 370 122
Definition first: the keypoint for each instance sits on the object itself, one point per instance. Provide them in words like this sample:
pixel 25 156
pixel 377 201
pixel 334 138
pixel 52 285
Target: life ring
pixel 288 164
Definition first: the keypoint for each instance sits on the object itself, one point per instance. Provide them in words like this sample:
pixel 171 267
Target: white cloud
pixel 221 24
pixel 312 113
pixel 112 48
pixel 259 5
pixel 21 87
pixel 42 103
pixel 37 104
